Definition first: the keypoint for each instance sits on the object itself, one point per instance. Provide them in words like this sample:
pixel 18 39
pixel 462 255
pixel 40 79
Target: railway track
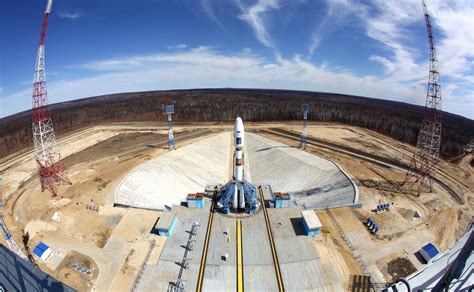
pixel 205 249
pixel 372 158
pixel 276 262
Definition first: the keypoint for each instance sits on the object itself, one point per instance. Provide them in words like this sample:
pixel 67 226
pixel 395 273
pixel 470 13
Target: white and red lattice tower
pixel 50 166
pixel 426 155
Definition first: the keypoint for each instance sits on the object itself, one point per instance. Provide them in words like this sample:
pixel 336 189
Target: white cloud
pixel 391 23
pixel 456 46
pixel 254 16
pixel 69 15
pixel 179 46
pixel 204 67
pixel 389 65
pixel 338 13
pixel 209 10
pixel 390 26
pixel 1 103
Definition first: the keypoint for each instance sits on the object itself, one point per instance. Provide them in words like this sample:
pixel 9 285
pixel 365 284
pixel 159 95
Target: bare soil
pixel 74 278
pixel 400 267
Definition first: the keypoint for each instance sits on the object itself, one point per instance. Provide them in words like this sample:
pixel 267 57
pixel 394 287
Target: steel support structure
pixel 51 170
pixel 426 155
pixel 169 111
pixel 304 140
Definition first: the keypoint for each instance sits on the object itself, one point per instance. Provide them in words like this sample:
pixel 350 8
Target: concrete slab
pixel 55 259
pixel 259 270
pixel 300 264
pixel 221 274
pixel 158 277
pixel 167 179
pixel 312 181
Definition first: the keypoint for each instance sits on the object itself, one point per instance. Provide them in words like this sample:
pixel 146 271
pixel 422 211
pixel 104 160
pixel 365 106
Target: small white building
pixel 311 222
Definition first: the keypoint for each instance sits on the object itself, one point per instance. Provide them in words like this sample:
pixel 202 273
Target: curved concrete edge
pixel 122 180
pixel 348 176
pixel 120 204
pixel 351 179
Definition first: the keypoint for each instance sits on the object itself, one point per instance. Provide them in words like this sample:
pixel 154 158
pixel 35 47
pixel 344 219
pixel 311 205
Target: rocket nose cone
pixel 239 124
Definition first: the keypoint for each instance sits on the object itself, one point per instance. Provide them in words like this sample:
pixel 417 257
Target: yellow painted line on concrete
pixel 276 263
pixel 240 265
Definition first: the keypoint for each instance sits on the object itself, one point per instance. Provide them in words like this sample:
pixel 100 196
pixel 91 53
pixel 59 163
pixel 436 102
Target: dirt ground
pixel 95 169
pixel 332 249
pixel 98 158
pixel 399 267
pixel 74 278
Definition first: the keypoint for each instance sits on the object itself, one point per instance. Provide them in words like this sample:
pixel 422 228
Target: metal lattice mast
pixel 426 156
pixel 304 141
pixel 169 111
pixel 50 166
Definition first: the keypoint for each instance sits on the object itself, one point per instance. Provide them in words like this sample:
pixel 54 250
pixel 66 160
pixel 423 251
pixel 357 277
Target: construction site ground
pixel 116 242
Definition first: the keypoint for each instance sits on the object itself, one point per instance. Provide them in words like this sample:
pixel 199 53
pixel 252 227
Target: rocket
pixel 238 174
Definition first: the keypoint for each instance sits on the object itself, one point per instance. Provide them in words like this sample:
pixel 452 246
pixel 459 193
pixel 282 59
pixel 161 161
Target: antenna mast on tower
pixel 426 155
pixel 304 141
pixel 51 170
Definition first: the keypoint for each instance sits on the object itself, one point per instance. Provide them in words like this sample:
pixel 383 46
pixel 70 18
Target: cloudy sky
pixel 373 48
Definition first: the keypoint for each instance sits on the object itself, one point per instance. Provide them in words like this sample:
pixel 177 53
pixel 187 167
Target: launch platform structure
pixel 304 141
pixel 51 170
pixel 169 111
pixel 426 155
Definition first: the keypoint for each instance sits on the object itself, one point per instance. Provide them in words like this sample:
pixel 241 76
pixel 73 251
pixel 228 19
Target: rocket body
pixel 239 142
pixel 238 174
pixel 238 195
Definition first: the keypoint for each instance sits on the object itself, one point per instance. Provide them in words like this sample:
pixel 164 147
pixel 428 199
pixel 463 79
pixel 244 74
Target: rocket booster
pixel 238 175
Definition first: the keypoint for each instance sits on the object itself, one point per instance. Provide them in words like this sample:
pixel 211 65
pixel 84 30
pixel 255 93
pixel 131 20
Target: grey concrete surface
pixel 312 181
pixel 300 264
pixel 167 179
pixel 158 277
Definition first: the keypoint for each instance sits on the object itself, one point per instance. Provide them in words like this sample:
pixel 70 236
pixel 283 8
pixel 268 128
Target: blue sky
pixel 371 48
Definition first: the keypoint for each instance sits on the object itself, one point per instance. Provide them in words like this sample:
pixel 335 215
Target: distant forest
pixel 395 119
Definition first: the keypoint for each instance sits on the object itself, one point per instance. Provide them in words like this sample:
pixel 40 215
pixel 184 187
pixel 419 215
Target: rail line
pixel 375 159
pixel 276 263
pixel 202 268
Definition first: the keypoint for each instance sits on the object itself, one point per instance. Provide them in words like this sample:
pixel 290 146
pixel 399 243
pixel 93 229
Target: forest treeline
pixel 398 120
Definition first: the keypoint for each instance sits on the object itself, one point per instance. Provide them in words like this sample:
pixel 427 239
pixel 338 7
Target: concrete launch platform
pixel 167 179
pixel 312 181
pixel 299 262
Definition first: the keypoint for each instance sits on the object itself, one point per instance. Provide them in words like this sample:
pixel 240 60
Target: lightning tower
pixel 51 170
pixel 305 110
pixel 426 155
pixel 169 111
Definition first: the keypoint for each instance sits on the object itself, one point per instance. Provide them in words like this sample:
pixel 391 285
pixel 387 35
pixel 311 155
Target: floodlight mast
pixel 51 170
pixel 304 140
pixel 426 155
pixel 169 111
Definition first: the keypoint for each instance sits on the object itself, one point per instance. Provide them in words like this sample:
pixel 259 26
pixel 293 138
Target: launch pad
pixel 249 242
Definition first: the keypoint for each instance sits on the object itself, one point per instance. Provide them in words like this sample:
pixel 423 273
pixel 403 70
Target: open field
pixel 116 242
